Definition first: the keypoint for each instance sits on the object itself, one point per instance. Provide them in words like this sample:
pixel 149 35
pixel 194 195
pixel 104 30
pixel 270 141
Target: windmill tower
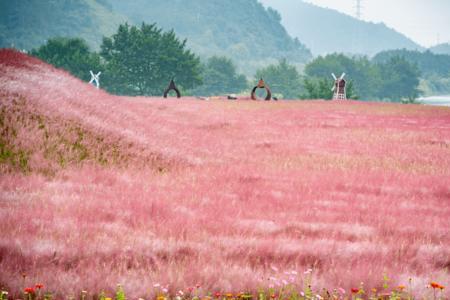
pixel 95 78
pixel 339 92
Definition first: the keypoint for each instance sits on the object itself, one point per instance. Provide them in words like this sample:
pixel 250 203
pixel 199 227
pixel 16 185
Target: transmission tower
pixel 358 9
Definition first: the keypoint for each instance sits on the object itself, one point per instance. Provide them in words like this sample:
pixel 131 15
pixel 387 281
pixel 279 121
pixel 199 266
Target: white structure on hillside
pixel 95 78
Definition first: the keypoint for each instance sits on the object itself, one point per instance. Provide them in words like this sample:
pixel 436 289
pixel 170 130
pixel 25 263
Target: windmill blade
pixel 334 76
pixel 92 73
pixel 334 88
pixel 342 76
pixel 99 73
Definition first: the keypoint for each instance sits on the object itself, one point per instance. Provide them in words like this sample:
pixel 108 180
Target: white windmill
pixel 339 92
pixel 95 78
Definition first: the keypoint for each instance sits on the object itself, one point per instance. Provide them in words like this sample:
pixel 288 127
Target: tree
pixel 70 54
pixel 142 61
pixel 220 77
pixel 360 71
pixel 282 78
pixel 400 80
pixel 320 88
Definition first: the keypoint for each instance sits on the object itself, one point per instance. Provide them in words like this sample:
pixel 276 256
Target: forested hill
pixel 441 49
pixel 26 24
pixel 240 29
pixel 328 31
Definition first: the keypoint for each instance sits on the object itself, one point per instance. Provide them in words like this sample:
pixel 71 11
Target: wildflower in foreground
pixel 354 290
pixel 29 290
pixel 436 285
pixel 401 287
pixel 39 285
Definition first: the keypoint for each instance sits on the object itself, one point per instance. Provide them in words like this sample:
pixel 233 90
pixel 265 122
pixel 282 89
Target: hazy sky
pixel 424 21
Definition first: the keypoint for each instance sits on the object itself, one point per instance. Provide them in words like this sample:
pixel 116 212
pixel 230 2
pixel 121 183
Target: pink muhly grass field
pixel 141 191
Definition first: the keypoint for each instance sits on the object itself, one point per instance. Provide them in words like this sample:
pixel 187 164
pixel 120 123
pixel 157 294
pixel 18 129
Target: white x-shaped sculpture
pixel 95 78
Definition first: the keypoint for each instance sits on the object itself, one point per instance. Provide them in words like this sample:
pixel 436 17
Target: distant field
pixel 97 190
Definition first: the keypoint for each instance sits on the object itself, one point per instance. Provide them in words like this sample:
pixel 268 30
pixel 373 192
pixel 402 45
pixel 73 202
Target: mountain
pixel 240 29
pixel 427 62
pixel 441 49
pixel 326 31
pixel 25 24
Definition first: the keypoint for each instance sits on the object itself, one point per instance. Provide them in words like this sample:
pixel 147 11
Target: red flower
pixel 435 285
pixel 29 290
pixel 355 290
pixel 217 294
pixel 273 296
pixel 39 285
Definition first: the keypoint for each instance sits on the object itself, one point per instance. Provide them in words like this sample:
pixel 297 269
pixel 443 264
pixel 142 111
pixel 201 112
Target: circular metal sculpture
pixel 172 87
pixel 262 85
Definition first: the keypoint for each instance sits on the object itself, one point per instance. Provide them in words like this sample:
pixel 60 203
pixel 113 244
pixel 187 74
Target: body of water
pixel 435 100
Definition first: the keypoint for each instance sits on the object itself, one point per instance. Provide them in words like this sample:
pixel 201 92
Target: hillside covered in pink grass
pixel 97 190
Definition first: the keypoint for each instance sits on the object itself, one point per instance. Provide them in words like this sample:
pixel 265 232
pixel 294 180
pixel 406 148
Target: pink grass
pixel 217 192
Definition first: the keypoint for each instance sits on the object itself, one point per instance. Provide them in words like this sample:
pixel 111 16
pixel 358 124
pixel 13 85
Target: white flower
pixel 319 297
pixel 285 282
pixel 156 285
pixel 180 292
pixel 275 269
pixel 294 272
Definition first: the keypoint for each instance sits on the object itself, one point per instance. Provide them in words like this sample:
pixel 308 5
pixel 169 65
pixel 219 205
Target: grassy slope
pixel 217 192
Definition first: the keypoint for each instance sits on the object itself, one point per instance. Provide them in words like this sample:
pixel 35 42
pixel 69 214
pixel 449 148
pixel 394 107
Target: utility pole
pixel 358 9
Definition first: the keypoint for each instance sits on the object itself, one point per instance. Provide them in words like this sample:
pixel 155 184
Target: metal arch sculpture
pixel 172 87
pixel 262 85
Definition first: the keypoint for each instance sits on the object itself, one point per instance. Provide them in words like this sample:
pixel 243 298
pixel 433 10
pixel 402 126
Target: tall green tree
pixel 321 88
pixel 220 77
pixel 359 70
pixel 142 61
pixel 400 80
pixel 70 54
pixel 282 78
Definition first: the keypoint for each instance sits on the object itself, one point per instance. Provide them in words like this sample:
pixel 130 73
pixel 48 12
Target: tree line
pixel 142 60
